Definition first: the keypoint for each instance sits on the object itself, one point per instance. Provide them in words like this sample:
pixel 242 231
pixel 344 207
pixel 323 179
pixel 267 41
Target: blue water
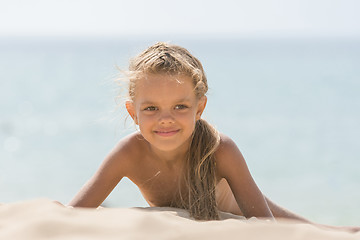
pixel 292 106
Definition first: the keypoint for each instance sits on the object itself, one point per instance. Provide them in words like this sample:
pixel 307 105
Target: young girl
pixel 177 159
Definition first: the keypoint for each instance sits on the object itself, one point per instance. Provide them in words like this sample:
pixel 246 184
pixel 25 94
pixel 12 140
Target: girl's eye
pixel 180 106
pixel 151 108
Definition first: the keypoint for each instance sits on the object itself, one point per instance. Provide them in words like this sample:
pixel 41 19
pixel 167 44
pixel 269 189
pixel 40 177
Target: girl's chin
pixel 169 147
pixel 168 144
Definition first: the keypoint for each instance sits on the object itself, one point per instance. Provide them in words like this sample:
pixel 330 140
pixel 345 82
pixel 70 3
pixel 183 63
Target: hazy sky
pixel 188 17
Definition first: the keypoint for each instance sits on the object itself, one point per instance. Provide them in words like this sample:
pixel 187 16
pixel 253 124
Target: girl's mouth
pixel 167 133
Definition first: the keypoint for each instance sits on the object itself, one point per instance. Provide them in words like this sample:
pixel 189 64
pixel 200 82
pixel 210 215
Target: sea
pixel 292 105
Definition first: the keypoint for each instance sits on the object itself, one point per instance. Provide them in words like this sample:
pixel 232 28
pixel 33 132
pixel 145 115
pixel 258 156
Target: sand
pixel 43 219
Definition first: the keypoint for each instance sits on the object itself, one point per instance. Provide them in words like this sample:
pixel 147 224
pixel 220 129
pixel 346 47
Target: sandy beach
pixel 43 219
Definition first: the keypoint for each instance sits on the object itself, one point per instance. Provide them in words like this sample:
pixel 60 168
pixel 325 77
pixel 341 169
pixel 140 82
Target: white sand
pixel 43 219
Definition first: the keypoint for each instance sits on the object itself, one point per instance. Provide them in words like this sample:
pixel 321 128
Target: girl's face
pixel 166 109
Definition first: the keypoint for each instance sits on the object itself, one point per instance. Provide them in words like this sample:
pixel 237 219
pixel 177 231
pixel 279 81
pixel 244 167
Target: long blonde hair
pixel 200 175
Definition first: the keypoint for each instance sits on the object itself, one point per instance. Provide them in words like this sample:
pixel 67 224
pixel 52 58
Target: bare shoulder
pixel 228 156
pixel 226 148
pixel 126 152
pixel 129 145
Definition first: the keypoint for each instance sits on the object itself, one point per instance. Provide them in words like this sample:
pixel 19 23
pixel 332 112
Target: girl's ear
pixel 131 110
pixel 201 107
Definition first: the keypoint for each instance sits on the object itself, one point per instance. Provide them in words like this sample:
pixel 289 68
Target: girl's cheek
pixel 147 117
pixel 190 118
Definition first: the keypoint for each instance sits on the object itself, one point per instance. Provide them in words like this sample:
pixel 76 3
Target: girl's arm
pixel 109 174
pixel 231 165
pixel 282 213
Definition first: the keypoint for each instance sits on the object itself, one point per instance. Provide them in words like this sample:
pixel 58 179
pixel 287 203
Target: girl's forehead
pixel 164 85
pixel 164 79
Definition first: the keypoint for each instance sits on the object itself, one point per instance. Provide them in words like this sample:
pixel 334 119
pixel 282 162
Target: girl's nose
pixel 166 117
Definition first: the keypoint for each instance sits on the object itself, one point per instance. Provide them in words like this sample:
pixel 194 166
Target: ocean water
pixel 291 105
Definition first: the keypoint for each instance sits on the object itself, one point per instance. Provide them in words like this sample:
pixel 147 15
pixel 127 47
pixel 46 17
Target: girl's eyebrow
pixel 148 102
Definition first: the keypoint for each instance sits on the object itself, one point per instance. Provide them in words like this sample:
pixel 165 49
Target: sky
pixel 111 18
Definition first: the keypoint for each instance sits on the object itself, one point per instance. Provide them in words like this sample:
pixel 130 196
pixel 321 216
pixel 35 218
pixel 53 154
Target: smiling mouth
pixel 167 133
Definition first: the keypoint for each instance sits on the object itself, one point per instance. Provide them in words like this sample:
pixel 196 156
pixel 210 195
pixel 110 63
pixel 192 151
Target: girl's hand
pixel 59 203
pixel 351 229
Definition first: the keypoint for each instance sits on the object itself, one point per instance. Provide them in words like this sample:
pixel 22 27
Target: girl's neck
pixel 172 158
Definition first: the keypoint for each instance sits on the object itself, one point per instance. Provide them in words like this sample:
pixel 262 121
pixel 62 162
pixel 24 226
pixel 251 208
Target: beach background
pixel 291 103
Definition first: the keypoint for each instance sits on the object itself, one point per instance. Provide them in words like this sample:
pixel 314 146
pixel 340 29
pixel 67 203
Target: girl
pixel 177 159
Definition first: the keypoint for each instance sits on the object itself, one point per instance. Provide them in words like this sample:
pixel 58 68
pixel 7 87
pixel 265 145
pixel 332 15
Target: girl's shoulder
pixel 132 141
pixel 128 147
pixel 227 154
pixel 226 144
